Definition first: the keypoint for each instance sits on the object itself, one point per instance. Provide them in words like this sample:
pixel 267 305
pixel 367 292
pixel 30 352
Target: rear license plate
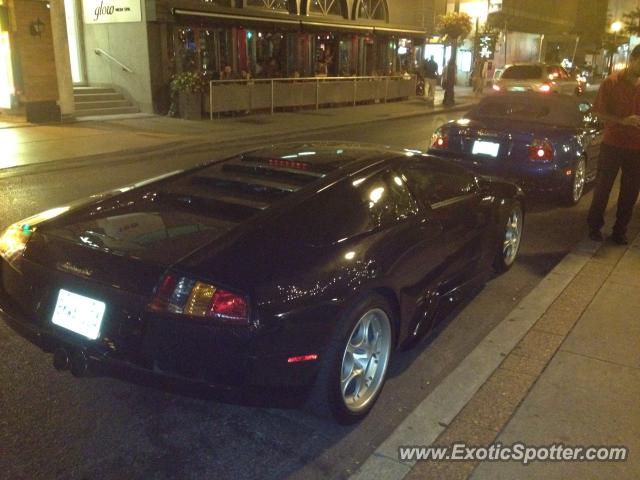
pixel 79 314
pixel 481 147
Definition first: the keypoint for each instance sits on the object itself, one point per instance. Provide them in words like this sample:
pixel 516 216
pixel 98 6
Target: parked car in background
pixel 541 142
pixel 300 265
pixel 538 77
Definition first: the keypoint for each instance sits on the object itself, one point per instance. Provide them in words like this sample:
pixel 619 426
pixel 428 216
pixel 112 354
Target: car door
pixel 450 194
pixel 567 82
pixel 592 135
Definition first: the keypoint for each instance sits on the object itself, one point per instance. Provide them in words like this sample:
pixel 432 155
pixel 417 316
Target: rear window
pixel 522 72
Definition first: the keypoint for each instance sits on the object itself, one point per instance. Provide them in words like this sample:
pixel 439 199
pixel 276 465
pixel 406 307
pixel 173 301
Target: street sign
pixel 487 46
pixel 111 11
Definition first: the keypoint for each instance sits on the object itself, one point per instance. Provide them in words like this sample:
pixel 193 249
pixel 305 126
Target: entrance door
pixel 75 42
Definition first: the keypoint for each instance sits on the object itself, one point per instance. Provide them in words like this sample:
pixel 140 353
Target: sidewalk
pixel 27 144
pixel 562 368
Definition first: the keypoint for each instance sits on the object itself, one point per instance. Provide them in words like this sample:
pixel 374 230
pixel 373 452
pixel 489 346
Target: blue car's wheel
pixel 575 190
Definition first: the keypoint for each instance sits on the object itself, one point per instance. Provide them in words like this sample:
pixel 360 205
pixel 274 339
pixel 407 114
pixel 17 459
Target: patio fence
pixel 271 94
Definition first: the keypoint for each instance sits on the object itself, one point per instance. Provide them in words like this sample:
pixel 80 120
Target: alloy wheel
pixel 365 360
pixel 579 181
pixel 512 237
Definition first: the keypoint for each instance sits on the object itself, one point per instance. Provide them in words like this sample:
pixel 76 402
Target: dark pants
pixel 612 160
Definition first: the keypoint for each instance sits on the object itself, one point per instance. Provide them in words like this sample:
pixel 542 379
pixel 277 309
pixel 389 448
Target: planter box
pixel 190 105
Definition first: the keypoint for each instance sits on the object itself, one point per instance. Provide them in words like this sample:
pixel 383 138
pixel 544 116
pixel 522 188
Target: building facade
pixel 534 30
pixel 136 46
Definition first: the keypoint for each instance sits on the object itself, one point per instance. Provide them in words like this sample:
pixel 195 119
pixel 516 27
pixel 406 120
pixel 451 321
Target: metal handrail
pixel 309 79
pixel 99 51
pixel 317 80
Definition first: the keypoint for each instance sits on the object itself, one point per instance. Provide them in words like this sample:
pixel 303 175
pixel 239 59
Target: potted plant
pixel 188 86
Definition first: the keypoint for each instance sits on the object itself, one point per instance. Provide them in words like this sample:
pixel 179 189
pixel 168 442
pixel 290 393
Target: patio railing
pixel 271 94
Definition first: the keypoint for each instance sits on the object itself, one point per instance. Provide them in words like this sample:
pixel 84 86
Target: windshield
pixel 522 72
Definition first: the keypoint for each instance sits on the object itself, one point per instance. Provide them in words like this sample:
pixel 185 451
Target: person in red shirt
pixel 618 105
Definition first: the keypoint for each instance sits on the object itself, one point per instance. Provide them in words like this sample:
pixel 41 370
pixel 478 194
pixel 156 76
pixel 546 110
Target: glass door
pixel 75 42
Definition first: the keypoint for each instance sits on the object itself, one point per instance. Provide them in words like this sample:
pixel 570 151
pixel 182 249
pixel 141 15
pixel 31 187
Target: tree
pixel 453 27
pixel 631 21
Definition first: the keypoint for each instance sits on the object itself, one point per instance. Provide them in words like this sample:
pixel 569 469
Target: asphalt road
pixel 55 426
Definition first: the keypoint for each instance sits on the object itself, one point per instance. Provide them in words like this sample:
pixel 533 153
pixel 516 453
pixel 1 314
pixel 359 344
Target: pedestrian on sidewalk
pixel 431 79
pixel 479 77
pixel 618 105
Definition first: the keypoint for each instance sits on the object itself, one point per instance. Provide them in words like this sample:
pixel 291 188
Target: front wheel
pixel 355 364
pixel 509 245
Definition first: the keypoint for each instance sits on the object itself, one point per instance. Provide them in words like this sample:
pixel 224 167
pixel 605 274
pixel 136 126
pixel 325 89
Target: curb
pixel 434 414
pixel 198 141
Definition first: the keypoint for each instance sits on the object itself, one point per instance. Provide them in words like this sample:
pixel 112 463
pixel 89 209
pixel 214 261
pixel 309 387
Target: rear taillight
pixel 439 140
pixel 541 151
pixel 496 88
pixel 185 296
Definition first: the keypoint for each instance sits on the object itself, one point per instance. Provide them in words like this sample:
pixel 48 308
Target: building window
pixel 326 7
pixel 372 9
pixel 276 5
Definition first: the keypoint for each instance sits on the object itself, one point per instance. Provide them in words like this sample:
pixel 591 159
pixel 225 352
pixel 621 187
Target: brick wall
pixel 36 73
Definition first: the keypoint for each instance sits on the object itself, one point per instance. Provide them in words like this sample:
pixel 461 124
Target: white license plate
pixel 79 314
pixel 481 147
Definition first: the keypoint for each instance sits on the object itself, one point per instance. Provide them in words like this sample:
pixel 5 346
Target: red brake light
pixel 439 140
pixel 185 296
pixel 277 162
pixel 229 307
pixel 541 151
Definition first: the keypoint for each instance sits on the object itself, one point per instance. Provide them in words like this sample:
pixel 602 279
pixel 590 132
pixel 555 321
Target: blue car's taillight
pixel 541 151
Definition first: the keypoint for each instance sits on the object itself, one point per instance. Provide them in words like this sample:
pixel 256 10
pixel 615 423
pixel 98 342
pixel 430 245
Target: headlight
pixel 14 239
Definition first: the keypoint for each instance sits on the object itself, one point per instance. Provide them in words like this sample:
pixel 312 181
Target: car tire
pixel 575 190
pixel 363 341
pixel 510 236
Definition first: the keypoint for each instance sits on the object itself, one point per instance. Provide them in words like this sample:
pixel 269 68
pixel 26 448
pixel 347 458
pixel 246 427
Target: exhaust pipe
pixel 79 363
pixel 61 359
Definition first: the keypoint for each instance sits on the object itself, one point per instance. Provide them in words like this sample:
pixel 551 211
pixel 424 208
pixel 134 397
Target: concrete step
pixel 96 97
pixel 82 106
pixel 95 112
pixel 84 90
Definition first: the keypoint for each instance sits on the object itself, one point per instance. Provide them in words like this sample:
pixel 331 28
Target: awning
pixel 233 16
pixel 301 21
pixel 401 31
pixel 344 26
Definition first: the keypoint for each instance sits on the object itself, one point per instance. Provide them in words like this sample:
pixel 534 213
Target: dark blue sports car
pixel 542 142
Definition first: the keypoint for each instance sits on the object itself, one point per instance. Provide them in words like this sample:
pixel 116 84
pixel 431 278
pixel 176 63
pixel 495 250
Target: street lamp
pixel 615 28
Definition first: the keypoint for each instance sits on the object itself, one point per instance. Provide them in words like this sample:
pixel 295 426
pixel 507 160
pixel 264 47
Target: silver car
pixel 537 77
